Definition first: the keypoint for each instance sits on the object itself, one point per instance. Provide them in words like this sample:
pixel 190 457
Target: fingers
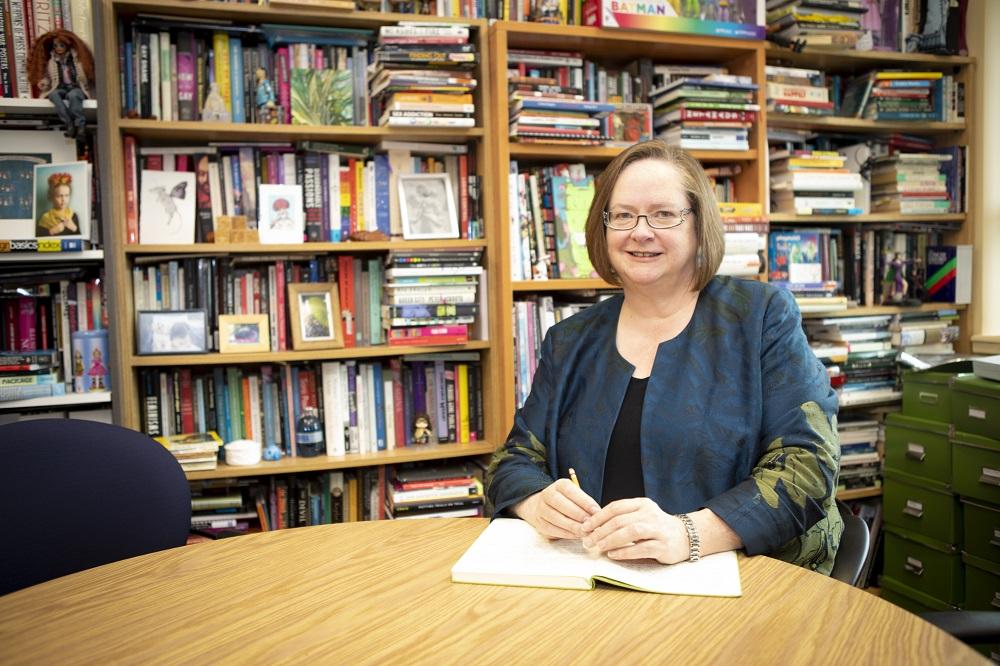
pixel 612 511
pixel 567 498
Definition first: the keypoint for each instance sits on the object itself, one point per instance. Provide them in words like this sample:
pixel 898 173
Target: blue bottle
pixel 309 434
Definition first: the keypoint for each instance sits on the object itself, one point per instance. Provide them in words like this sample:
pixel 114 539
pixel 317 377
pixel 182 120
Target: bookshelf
pixel 121 256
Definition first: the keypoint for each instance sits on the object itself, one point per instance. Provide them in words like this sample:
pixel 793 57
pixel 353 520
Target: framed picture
pixel 315 315
pixel 21 152
pixel 280 215
pixel 244 333
pixel 172 331
pixel 427 206
pixel 167 207
pixel 62 200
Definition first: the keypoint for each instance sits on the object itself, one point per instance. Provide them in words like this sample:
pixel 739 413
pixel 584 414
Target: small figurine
pixel 421 428
pixel 272 452
pixel 97 371
pixel 61 68
pixel 548 12
pixel 59 220
pixel 267 110
pixel 896 285
pixel 215 107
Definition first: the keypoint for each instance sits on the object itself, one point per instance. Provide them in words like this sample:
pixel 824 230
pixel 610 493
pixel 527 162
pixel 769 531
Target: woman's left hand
pixel 634 529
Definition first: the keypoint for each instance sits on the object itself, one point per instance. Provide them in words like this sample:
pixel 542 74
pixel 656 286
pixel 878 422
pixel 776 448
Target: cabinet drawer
pixel 927 395
pixel 982 589
pixel 975 406
pixel 909 599
pixel 975 467
pixel 918 447
pixel 932 513
pixel 931 571
pixel 981 534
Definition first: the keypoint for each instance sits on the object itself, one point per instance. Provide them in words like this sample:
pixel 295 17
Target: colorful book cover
pixel 324 97
pixel 186 84
pixel 735 18
pixel 949 273
pixel 794 260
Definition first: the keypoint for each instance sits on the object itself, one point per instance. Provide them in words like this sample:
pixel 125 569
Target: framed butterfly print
pixel 166 207
pixel 62 200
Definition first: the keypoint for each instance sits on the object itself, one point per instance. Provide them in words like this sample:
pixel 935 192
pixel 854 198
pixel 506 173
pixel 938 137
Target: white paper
pixel 167 207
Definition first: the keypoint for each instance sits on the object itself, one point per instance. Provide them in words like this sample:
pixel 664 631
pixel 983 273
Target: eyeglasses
pixel 622 220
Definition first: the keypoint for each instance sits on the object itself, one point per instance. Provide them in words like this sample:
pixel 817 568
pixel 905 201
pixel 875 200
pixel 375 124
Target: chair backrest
pixel 78 494
pixel 853 548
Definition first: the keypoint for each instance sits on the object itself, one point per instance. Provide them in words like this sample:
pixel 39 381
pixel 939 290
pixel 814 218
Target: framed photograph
pixel 172 331
pixel 315 315
pixel 167 207
pixel 244 333
pixel 21 152
pixel 427 206
pixel 62 200
pixel 630 124
pixel 280 218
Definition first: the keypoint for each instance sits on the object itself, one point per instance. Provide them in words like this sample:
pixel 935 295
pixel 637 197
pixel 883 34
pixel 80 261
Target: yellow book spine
pixel 908 75
pixel 463 402
pixel 220 48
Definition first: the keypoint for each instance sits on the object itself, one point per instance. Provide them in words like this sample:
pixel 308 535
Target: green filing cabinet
pixel 975 406
pixel 925 566
pixel 915 505
pixel 981 530
pixel 909 599
pixel 918 448
pixel 982 584
pixel 975 467
pixel 927 394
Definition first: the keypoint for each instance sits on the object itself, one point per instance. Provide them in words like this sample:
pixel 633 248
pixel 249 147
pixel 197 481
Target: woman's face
pixel 60 196
pixel 647 257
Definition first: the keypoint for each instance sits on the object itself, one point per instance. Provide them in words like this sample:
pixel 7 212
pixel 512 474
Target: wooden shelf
pixel 304 248
pixel 874 218
pixel 40 107
pixel 326 463
pixel 201 131
pixel 860 125
pixel 859 493
pixel 379 351
pixel 569 284
pixel 843 61
pixel 51 257
pixel 68 401
pixel 883 310
pixel 604 154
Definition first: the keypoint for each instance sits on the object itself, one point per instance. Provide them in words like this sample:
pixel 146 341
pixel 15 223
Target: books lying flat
pixel 511 552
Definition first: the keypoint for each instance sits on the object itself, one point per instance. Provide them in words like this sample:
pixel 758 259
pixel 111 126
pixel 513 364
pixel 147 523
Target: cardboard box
pixel 737 18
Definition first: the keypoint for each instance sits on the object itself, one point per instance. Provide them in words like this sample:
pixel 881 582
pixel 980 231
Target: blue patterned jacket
pixel 738 417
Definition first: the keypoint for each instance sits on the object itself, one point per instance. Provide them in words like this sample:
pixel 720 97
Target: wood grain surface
pixel 380 592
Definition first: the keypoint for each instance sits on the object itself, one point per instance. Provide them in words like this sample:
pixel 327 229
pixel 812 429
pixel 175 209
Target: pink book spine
pixel 280 288
pixel 283 75
pixel 27 329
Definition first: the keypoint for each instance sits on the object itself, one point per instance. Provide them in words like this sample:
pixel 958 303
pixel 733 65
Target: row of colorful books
pixel 705 108
pixel 364 406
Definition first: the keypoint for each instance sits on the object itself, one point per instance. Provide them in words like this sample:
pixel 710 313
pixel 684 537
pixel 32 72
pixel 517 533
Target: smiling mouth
pixel 644 254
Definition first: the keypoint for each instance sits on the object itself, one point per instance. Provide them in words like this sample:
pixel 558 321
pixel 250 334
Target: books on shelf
pixel 710 112
pixel 811 182
pixel 798 90
pixel 817 25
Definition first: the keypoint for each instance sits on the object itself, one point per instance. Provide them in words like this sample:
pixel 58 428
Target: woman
pixel 691 406
pixel 59 220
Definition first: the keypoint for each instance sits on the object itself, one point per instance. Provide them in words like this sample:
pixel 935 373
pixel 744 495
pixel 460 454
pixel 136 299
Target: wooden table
pixel 380 592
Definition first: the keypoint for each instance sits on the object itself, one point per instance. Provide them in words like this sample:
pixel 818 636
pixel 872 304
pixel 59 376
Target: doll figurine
pixel 266 108
pixel 215 107
pixel 61 68
pixel 421 428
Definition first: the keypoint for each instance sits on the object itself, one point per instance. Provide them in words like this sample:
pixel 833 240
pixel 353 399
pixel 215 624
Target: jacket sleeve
pixel 791 488
pixel 519 467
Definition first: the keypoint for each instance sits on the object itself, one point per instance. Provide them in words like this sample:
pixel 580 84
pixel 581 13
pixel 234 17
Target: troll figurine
pixel 61 68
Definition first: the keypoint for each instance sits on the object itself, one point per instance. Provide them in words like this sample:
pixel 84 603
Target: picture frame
pixel 427 206
pixel 244 333
pixel 314 309
pixel 171 332
pixel 280 216
pixel 22 150
pixel 61 202
pixel 167 207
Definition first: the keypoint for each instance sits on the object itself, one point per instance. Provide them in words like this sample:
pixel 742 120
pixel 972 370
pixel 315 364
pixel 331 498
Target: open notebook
pixel 511 552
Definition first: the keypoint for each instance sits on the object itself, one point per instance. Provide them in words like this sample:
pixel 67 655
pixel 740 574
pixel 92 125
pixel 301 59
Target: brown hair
pixel 38 59
pixel 709 234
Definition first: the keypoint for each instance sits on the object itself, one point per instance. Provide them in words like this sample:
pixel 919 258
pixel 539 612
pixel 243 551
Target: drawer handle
pixel 914 566
pixel 995 601
pixel 913 508
pixel 990 477
pixel 995 541
pixel 976 413
pixel 928 397
pixel 915 451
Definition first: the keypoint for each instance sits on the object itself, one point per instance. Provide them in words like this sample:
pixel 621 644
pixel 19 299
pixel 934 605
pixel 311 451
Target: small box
pixel 926 511
pixel 90 361
pixel 975 406
pixel 743 21
pixel 927 394
pixel 981 525
pixel 975 467
pixel 987 367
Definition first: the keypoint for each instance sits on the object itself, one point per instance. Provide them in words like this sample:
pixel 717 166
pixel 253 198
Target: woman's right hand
pixel 558 511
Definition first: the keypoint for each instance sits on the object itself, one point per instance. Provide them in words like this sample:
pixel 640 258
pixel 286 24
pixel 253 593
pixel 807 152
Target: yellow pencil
pixel 572 477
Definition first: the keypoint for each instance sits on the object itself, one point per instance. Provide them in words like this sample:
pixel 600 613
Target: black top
pixel 623 466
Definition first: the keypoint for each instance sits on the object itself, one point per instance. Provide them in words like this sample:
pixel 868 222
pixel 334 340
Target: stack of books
pixel 816 23
pixel 905 95
pixel 925 333
pixel 428 296
pixel 813 182
pixel 422 76
pixel 859 356
pixel 911 184
pixel 798 90
pixel 714 112
pixel 30 374
pixel 746 238
pixel 194 451
pixel 860 463
pixel 434 491
pixel 220 511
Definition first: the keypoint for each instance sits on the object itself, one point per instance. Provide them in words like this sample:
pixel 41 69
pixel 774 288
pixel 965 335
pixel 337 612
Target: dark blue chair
pixel 78 494
pixel 853 549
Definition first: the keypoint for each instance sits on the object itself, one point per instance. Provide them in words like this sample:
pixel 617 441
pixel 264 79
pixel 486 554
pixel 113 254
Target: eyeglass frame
pixel 606 216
